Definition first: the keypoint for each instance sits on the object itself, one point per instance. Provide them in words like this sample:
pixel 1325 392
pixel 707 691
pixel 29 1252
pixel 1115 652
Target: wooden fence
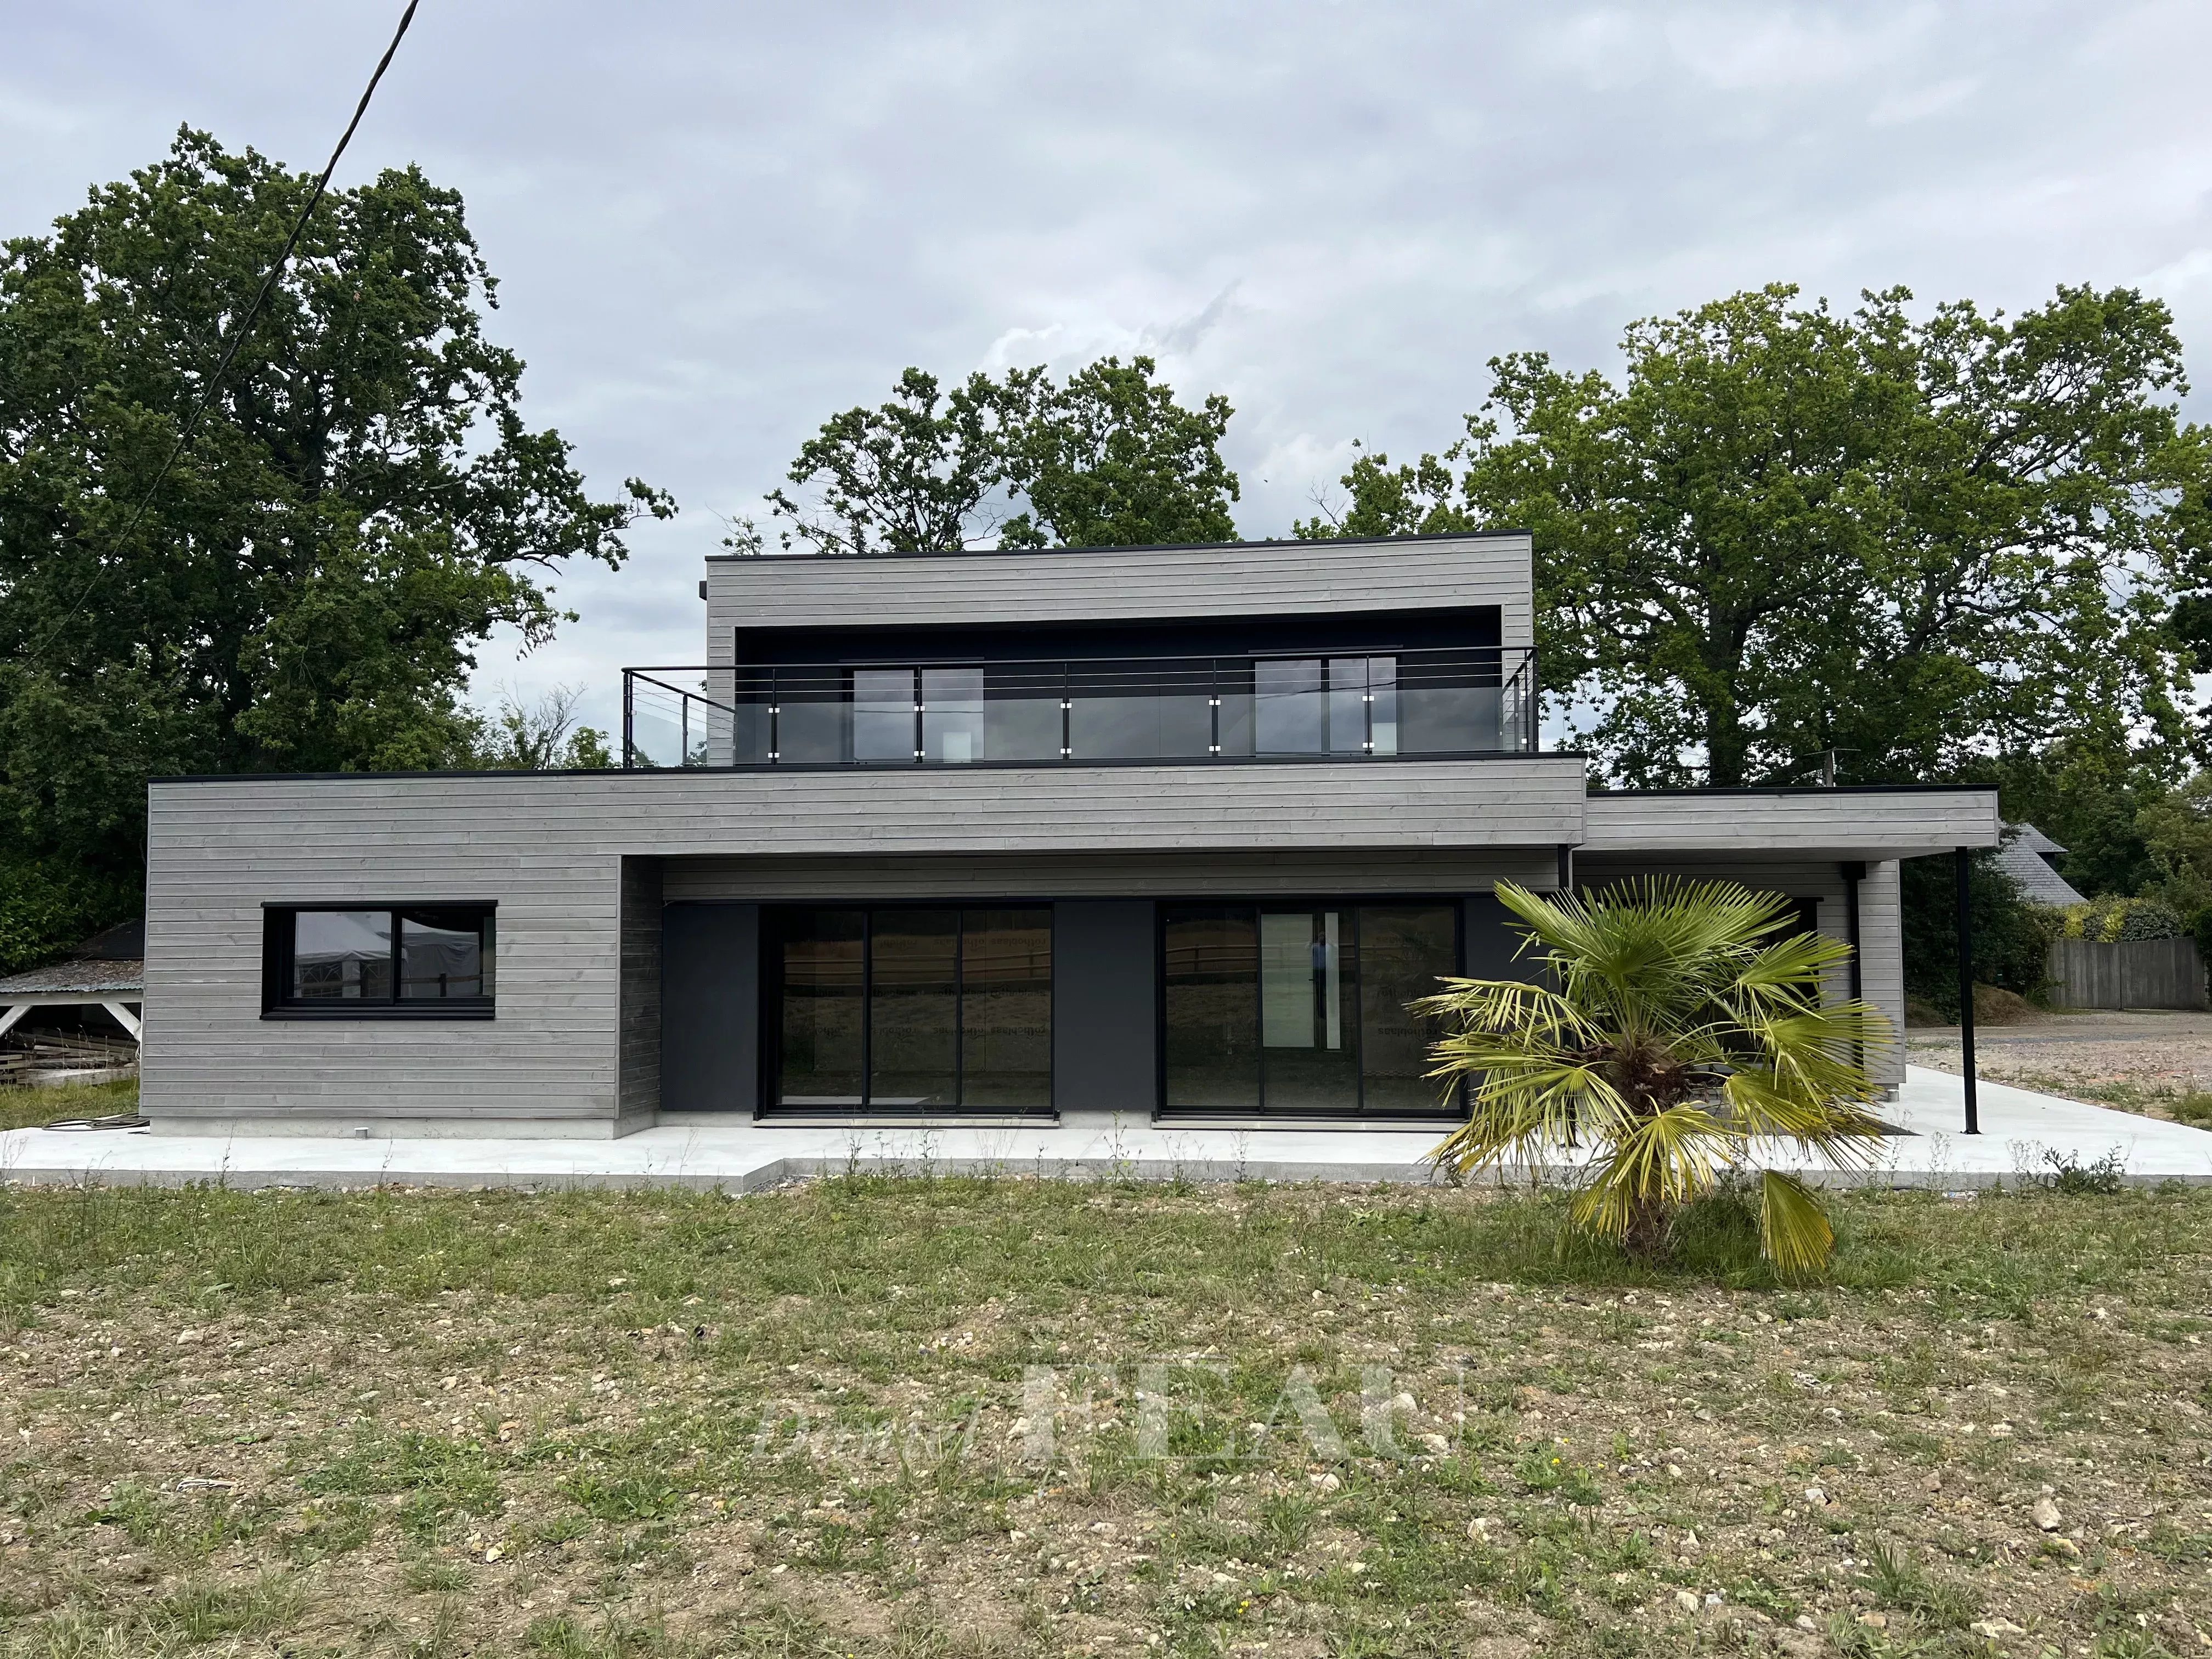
pixel 2136 972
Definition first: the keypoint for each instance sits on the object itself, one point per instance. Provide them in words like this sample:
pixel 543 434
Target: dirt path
pixel 2154 1061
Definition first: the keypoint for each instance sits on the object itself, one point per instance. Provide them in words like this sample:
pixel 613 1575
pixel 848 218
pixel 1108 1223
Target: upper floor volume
pixel 1355 651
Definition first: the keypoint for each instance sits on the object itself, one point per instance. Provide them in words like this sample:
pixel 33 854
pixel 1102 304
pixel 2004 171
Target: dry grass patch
pixel 912 1418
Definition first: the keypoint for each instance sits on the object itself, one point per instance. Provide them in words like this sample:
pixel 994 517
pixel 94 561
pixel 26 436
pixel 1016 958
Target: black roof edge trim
pixel 847 768
pixel 1815 789
pixel 1139 547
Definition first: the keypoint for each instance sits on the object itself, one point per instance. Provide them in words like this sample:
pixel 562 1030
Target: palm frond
pixel 1674 1025
pixel 1793 1233
pixel 1667 1159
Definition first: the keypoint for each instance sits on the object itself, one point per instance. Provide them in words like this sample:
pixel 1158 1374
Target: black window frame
pixel 279 933
pixel 1445 1113
pixel 769 980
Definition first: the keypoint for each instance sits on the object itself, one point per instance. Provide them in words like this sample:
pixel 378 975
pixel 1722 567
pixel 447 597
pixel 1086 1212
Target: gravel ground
pixel 2153 1061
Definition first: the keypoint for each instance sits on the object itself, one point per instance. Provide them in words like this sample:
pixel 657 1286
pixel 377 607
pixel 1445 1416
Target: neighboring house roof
pixel 2025 855
pixel 125 980
pixel 112 961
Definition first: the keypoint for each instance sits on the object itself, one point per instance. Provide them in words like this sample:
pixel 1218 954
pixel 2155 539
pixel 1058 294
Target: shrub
pixel 2112 920
pixel 2012 936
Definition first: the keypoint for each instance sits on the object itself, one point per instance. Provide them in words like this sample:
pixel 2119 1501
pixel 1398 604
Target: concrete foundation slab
pixel 2018 1127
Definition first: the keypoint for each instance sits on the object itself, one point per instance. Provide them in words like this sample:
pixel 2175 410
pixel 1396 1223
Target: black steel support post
pixel 1963 864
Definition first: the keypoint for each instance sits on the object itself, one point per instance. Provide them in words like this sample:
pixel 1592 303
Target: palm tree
pixel 1682 1023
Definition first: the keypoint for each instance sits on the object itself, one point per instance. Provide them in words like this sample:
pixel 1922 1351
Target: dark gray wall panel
pixel 1489 942
pixel 1105 1009
pixel 710 1008
pixel 638 1048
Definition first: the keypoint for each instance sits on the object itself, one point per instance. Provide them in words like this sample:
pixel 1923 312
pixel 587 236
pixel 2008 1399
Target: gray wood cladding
pixel 1133 584
pixel 1849 823
pixel 580 864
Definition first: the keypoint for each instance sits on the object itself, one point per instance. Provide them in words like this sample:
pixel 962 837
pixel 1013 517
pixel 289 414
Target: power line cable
pixel 245 327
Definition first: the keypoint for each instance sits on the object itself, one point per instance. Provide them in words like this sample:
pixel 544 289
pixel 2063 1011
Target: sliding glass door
pixel 908 1010
pixel 1301 1009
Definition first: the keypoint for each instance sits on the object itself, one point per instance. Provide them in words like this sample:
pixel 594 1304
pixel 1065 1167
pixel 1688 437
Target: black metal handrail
pixel 1467 700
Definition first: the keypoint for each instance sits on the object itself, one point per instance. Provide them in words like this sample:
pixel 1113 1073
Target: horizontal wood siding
pixel 569 1043
pixel 1844 822
pixel 1123 585
pixel 217 853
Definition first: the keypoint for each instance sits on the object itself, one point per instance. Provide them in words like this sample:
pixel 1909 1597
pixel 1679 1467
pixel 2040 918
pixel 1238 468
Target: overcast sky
pixel 714 224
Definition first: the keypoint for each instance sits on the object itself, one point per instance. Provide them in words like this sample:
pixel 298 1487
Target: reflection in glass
pixel 882 714
pixel 342 956
pixel 1005 1010
pixel 1404 949
pixel 952 716
pixel 1383 705
pixel 1161 711
pixel 914 1008
pixel 1309 1011
pixel 1021 712
pixel 824 979
pixel 442 955
pixel 1347 705
pixel 1232 689
pixel 751 723
pixel 812 718
pixel 1210 1034
pixel 1272 1009
pixel 1446 705
pixel 1287 713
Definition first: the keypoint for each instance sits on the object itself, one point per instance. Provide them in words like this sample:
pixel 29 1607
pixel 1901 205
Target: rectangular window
pixel 911 1010
pixel 418 961
pixel 1301 1008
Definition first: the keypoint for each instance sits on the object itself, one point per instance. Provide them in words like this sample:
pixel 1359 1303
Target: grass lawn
pixel 20 1108
pixel 878 1417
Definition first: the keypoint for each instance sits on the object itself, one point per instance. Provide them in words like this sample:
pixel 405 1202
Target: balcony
pixel 1429 704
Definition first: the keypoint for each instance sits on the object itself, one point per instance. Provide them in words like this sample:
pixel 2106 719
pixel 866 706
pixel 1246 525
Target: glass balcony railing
pixel 1475 701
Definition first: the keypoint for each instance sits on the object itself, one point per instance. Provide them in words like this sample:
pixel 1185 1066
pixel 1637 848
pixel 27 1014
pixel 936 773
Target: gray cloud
pixel 713 225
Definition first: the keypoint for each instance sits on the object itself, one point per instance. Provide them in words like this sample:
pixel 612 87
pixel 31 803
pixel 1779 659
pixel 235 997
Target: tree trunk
pixel 1650 1223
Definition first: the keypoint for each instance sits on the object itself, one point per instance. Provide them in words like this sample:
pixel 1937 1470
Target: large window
pixel 911 1010
pixel 419 960
pixel 1302 1008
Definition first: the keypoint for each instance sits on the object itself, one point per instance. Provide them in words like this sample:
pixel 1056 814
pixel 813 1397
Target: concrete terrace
pixel 2018 1128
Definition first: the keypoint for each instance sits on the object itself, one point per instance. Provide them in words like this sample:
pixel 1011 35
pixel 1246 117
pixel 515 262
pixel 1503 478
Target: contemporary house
pixel 994 837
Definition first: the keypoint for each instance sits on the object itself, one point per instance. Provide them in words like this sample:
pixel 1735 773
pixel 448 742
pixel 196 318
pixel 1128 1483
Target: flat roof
pixel 1134 547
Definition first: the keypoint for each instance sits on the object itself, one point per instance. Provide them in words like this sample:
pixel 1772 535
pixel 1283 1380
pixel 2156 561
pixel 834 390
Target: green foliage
pixel 1413 499
pixel 2011 937
pixel 2091 798
pixel 48 904
pixel 539 737
pixel 1916 540
pixel 1686 1025
pixel 1108 459
pixel 2175 830
pixel 909 476
pixel 362 504
pixel 2111 919
pixel 2102 1176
